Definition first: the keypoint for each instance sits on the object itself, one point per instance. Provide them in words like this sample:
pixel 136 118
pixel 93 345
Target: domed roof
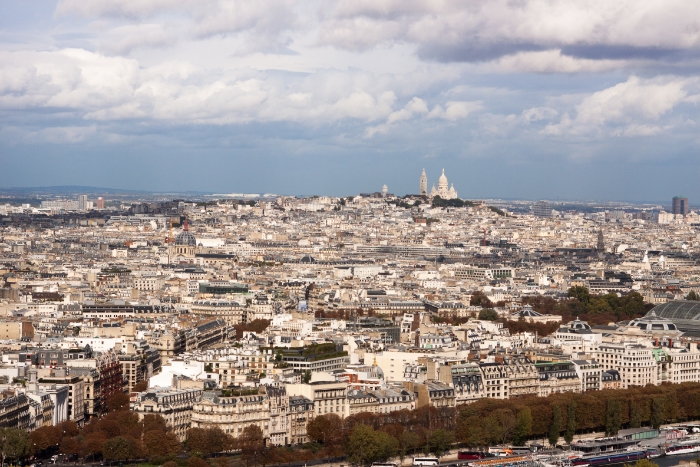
pixel 185 238
pixel 442 181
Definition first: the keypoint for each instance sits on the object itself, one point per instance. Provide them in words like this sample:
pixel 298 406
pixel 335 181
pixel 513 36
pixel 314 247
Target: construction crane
pixel 170 235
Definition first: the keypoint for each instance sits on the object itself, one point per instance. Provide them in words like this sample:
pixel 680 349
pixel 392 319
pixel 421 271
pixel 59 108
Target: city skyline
pixel 339 98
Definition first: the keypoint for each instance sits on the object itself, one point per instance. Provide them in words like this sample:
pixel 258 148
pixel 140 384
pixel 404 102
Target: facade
pixel 174 405
pixel 279 415
pixel 542 209
pixel 301 412
pixel 232 414
pixel 679 205
pixel 327 397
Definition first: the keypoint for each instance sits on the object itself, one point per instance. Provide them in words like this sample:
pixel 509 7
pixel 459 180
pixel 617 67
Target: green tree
pixel 306 377
pixel 580 293
pixel 613 417
pixel 523 427
pixel 408 440
pixel 555 427
pixel 570 423
pixel 14 444
pixel 439 441
pixel 120 448
pixel 366 446
pixel 657 412
pixel 488 314
pixel 693 296
pixel 635 414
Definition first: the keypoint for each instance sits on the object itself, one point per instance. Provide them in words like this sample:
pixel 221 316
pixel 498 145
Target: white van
pixel 430 461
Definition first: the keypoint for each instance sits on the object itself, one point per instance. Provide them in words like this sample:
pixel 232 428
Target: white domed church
pixel 185 244
pixel 442 190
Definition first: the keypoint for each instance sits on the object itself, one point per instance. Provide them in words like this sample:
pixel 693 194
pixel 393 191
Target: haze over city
pixel 570 100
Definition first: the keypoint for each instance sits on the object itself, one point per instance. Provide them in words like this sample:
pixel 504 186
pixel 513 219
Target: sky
pixel 584 100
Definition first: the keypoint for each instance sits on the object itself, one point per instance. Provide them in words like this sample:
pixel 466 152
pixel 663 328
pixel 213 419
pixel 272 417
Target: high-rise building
pixel 542 209
pixel 423 184
pixel 100 203
pixel 680 206
pixel 82 203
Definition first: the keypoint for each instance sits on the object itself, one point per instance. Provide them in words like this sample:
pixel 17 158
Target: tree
pixel 657 412
pixel 693 296
pixel 613 417
pixel 324 429
pixel 141 386
pixel 407 440
pixel 570 423
pixel 635 414
pixel 160 444
pixel 555 427
pixel 252 444
pixel 14 444
pixel 120 448
pixel 523 427
pixel 366 446
pixel 206 441
pixel 195 461
pixel 479 298
pixel 580 293
pixel 117 401
pixel 488 314
pixel 306 377
pixel 439 441
pixel 507 422
pixel 44 438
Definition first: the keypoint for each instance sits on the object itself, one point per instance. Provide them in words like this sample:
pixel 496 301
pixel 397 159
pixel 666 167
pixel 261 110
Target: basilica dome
pixel 185 238
pixel 442 181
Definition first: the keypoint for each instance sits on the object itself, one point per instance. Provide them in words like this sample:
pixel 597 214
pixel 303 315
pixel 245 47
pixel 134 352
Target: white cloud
pixel 455 110
pixel 93 86
pixel 457 30
pixel 623 106
pixel 553 61
pixel 536 114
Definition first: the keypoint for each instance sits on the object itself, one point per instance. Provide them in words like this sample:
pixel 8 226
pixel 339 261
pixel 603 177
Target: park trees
pixel 366 445
pixel 555 428
pixel 523 427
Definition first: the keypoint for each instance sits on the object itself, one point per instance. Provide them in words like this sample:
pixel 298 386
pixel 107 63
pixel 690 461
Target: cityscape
pixel 349 234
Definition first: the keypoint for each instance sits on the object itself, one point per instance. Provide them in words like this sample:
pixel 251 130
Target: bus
pixel 429 461
pixel 520 450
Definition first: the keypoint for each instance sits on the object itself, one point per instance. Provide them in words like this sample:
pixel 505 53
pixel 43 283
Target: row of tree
pixel 370 437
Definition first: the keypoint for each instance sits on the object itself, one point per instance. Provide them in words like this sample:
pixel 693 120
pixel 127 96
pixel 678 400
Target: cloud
pixel 96 87
pixel 453 30
pixel 455 110
pixel 622 106
pixel 553 61
pixel 261 26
